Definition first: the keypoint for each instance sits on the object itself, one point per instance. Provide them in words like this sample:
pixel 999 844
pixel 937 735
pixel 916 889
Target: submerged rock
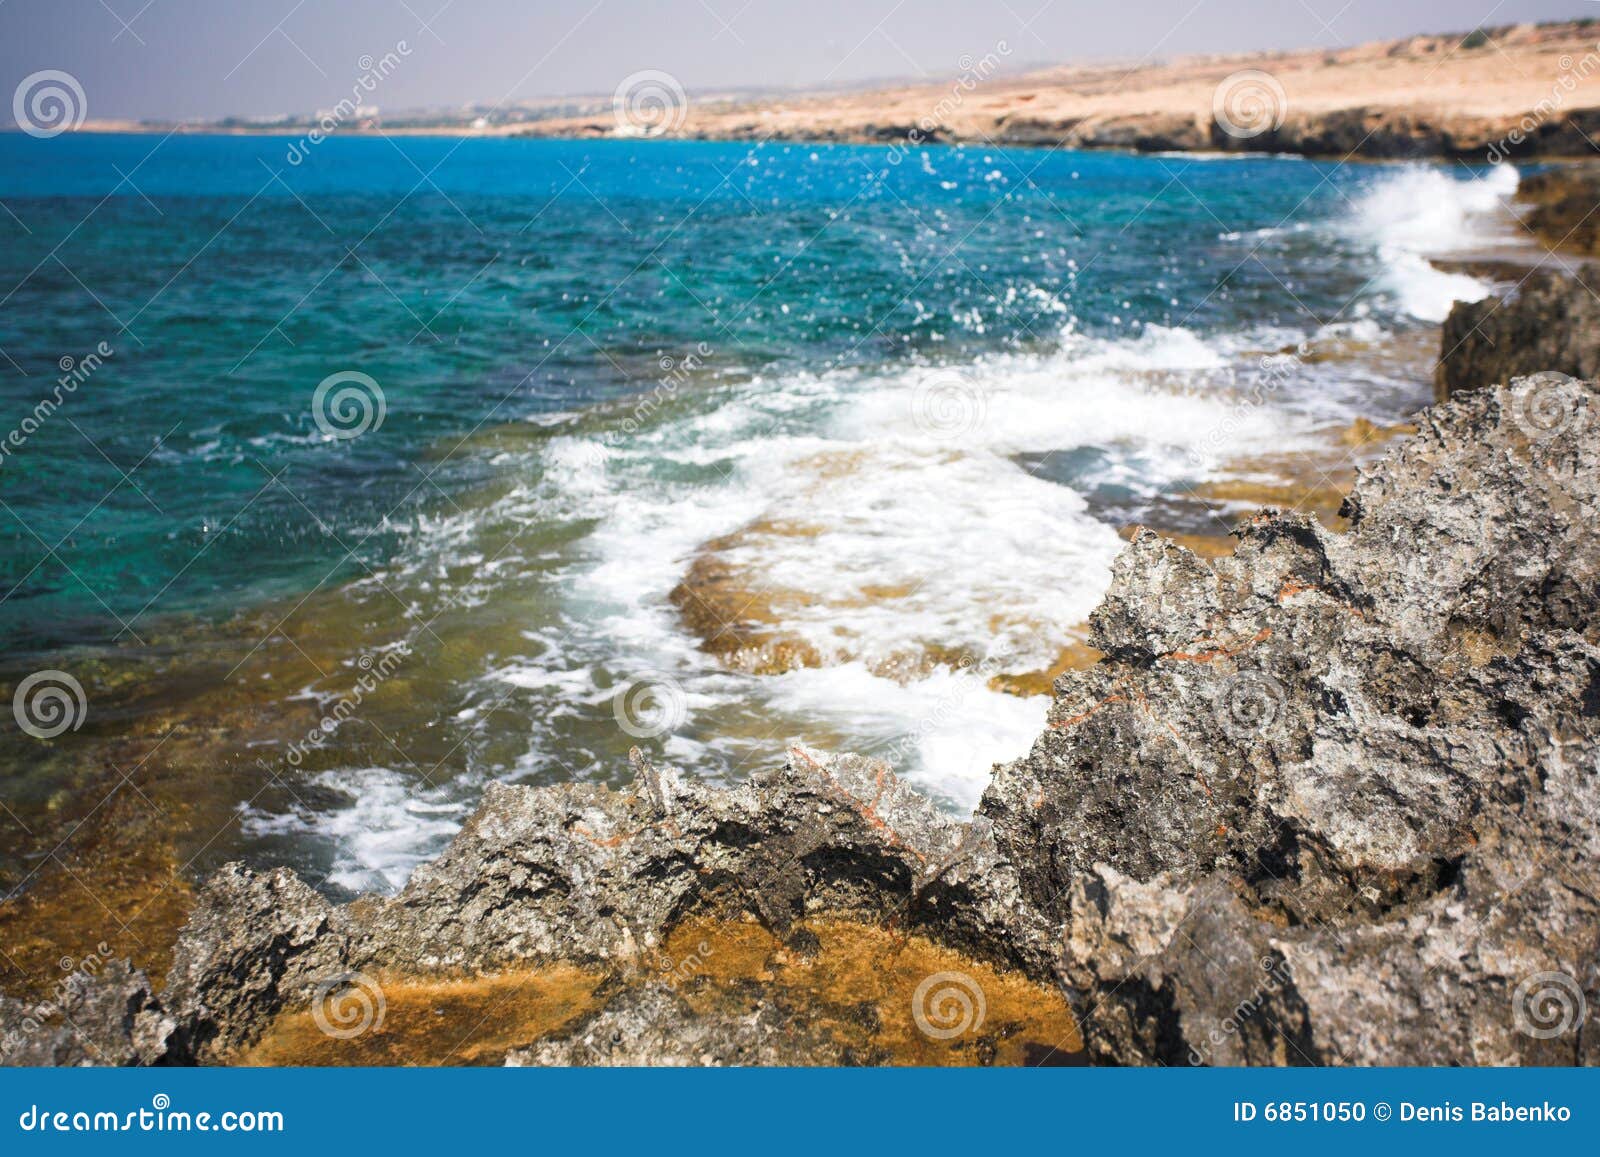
pixel 1330 799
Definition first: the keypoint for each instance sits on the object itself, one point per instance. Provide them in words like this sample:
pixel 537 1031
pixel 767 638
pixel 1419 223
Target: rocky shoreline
pixel 1549 319
pixel 1518 91
pixel 1366 132
pixel 1325 798
pixel 1489 94
pixel 1329 800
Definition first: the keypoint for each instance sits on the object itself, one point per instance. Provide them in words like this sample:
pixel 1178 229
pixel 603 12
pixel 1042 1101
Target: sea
pixel 338 482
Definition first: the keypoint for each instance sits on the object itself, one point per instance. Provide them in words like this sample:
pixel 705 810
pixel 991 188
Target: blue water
pixel 597 358
pixel 484 281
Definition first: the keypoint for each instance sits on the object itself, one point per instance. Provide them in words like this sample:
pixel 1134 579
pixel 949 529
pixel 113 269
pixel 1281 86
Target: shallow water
pixel 899 405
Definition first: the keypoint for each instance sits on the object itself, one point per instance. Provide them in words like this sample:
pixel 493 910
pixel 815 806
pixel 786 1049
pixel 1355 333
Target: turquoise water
pixel 960 369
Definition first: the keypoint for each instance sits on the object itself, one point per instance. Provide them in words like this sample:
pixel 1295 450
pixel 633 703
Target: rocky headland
pixel 1512 91
pixel 1331 799
pixel 1487 94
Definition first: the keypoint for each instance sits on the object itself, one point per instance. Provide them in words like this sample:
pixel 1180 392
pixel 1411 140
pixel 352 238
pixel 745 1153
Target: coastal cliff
pixel 1518 91
pixel 1328 800
pixel 1485 94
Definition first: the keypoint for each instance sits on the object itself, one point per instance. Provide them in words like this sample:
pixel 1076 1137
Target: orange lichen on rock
pixel 879 996
pixel 429 1021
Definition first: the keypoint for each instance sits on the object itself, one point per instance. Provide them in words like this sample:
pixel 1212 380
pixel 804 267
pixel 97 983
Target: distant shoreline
pixel 1522 92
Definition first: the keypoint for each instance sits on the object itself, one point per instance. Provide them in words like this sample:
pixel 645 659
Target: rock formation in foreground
pixel 1331 800
pixel 1335 799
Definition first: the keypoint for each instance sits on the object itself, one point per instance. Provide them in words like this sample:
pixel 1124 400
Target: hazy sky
pixel 206 58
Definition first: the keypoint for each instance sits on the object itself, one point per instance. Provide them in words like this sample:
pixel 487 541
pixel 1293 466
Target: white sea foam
pixel 390 825
pixel 896 506
pixel 1420 212
pixel 978 554
pixel 946 729
pixel 924 533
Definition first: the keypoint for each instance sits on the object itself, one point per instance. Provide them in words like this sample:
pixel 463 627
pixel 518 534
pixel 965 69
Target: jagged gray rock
pixel 109 1017
pixel 584 874
pixel 1368 760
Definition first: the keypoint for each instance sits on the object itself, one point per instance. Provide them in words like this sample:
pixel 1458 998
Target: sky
pixel 194 59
